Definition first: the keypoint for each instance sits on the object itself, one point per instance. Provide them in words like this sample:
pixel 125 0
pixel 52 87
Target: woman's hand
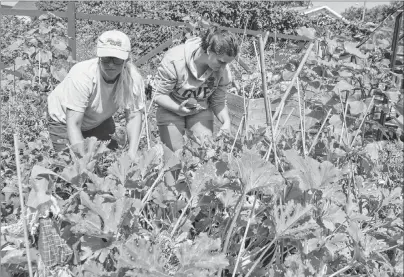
pixel 183 110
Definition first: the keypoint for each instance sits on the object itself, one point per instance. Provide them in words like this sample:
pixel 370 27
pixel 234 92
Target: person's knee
pixel 171 136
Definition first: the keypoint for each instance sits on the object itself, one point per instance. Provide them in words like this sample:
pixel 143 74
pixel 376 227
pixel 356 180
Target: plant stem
pixel 244 237
pixel 233 223
pixel 145 198
pixel 344 125
pixel 23 209
pixel 340 271
pixel 181 216
pixel 363 120
pixel 260 257
pixel 319 132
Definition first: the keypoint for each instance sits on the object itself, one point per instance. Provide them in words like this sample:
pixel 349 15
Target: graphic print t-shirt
pixel 177 77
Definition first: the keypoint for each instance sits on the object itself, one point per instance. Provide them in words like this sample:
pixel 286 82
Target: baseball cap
pixel 113 44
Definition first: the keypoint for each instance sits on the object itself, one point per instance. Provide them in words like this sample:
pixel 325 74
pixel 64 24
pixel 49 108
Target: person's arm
pixel 224 118
pixel 74 120
pixel 217 102
pixel 165 81
pixel 78 87
pixel 134 121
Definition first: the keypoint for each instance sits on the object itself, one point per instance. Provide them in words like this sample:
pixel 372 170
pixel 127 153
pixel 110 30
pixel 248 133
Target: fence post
pixel 71 27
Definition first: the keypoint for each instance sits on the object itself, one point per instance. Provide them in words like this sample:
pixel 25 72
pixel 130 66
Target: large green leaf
pixel 293 220
pixel 202 254
pixel 111 212
pixel 142 258
pixel 310 173
pixel 256 173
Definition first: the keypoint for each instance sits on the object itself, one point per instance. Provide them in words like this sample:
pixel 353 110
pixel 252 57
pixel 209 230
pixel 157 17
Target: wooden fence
pixel 72 15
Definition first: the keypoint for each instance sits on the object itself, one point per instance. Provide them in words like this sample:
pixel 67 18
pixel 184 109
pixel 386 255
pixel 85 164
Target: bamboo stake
pixel 23 209
pixel 245 114
pixel 181 216
pixel 147 129
pixel 275 45
pixel 268 109
pixel 256 55
pixel 39 68
pixel 302 118
pixel 279 110
pixel 149 192
pixel 235 138
pixel 319 132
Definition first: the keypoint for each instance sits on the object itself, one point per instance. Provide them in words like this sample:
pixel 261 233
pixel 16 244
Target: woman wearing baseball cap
pixel 83 104
pixel 190 87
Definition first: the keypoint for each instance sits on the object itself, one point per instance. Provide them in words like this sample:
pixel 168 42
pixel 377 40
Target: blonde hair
pixel 130 89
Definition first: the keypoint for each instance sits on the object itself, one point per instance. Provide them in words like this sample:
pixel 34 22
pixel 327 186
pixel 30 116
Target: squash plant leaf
pixel 142 258
pixel 255 173
pixel 289 221
pixel 310 173
pixel 120 168
pixel 110 212
pixel 203 254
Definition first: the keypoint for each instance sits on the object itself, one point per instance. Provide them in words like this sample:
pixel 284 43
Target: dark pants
pixel 59 137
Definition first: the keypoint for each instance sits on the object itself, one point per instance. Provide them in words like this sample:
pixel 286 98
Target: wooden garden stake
pixel 23 210
pixel 279 109
pixel 256 55
pixel 245 114
pixel 147 129
pixel 39 68
pixel 302 118
pixel 235 138
pixel 268 110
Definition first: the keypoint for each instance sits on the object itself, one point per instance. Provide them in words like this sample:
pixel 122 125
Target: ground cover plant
pixel 315 194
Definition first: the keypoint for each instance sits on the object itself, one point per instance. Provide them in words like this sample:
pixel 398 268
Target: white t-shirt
pixel 84 90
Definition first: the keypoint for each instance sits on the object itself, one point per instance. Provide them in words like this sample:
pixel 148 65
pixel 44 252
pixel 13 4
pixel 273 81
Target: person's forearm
pixel 166 102
pixel 134 127
pixel 75 138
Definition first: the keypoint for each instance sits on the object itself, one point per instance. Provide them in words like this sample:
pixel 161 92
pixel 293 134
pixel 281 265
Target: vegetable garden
pixel 312 188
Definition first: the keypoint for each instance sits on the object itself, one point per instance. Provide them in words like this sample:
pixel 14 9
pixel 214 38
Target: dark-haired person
pixel 83 104
pixel 190 87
